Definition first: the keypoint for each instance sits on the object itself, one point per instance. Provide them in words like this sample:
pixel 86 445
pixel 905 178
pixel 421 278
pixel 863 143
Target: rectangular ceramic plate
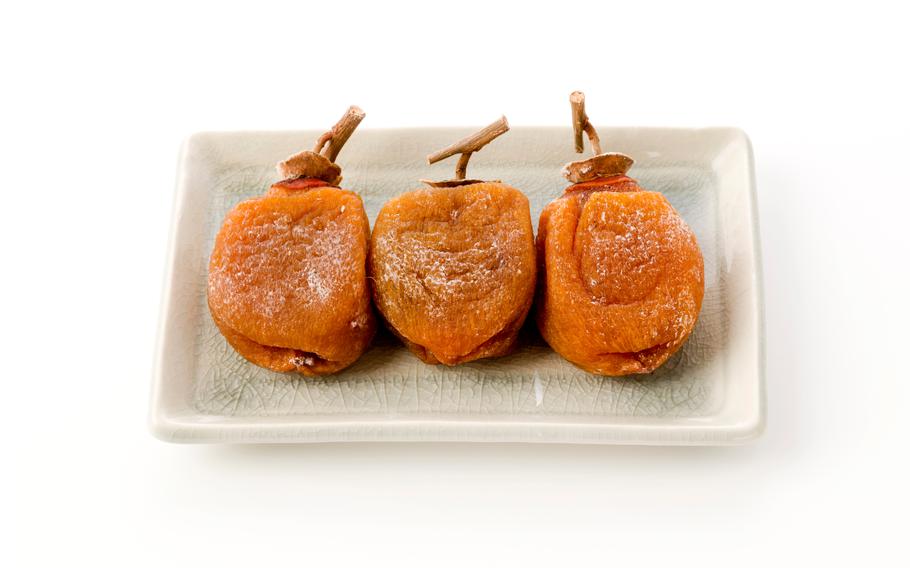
pixel 711 392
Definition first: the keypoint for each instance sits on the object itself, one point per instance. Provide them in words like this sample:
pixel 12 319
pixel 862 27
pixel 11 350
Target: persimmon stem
pixel 461 169
pixel 322 141
pixel 330 143
pixel 582 125
pixel 469 145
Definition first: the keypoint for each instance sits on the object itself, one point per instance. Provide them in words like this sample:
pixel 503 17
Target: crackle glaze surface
pixel 206 392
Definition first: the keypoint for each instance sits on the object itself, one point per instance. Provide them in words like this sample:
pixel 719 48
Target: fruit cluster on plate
pixel 615 276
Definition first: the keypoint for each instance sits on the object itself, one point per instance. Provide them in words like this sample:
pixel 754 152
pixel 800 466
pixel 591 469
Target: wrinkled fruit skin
pixel 287 278
pixel 621 277
pixel 454 270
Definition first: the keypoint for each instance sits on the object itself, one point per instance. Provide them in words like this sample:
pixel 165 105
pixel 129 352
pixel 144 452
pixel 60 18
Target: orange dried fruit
pixel 287 276
pixel 622 276
pixel 453 265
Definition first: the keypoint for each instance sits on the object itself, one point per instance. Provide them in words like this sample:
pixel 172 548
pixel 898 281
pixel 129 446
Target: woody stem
pixel 469 145
pixel 582 125
pixel 330 143
pixel 461 169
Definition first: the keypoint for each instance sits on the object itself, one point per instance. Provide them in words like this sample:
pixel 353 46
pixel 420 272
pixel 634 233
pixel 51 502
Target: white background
pixel 96 99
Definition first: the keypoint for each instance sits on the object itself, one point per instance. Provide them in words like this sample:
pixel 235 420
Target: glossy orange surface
pixel 621 277
pixel 287 278
pixel 454 270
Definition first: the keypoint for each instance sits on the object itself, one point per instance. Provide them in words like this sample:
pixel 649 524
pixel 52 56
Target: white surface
pixel 111 91
pixel 710 393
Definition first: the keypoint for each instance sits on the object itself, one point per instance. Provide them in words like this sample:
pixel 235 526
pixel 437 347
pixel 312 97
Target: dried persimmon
pixel 287 275
pixel 621 273
pixel 453 265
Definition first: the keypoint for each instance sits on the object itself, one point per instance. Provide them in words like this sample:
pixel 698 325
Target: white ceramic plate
pixel 711 392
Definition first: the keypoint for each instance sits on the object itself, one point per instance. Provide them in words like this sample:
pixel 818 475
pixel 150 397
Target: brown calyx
pixel 319 163
pixel 457 182
pixel 309 164
pixel 290 186
pixel 616 184
pixel 466 147
pixel 601 165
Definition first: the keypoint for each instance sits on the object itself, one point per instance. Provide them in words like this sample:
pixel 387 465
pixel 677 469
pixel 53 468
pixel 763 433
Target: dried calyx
pixel 466 147
pixel 601 165
pixel 320 162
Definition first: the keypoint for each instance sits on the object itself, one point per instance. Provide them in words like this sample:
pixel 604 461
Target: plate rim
pixel 173 427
